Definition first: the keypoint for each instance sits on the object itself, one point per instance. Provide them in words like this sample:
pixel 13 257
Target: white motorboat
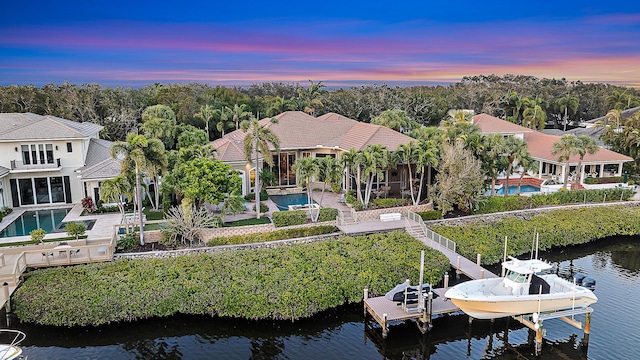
pixel 11 350
pixel 524 289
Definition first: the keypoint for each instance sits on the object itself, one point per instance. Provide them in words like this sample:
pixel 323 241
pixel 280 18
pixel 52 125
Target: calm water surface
pixel 341 334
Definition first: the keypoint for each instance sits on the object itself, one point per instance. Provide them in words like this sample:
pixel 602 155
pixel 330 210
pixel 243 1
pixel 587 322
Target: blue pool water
pixel 514 189
pixel 48 220
pixel 283 201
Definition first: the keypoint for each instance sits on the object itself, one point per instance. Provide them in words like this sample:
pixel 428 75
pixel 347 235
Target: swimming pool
pixel 514 189
pixel 48 220
pixel 283 201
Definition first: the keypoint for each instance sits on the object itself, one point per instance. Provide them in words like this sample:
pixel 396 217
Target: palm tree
pixel 534 114
pixel 329 172
pixel 135 153
pixel 112 190
pixel 374 159
pixel 621 100
pixel 527 163
pixel 237 114
pixel 566 146
pixel 427 158
pixel 493 148
pixel 310 98
pixel 515 149
pixel 566 105
pixel 280 105
pixel 256 141
pixel 349 160
pixel 306 169
pixel 586 145
pixel 157 163
pixel 206 113
pixel 408 154
pixel 393 119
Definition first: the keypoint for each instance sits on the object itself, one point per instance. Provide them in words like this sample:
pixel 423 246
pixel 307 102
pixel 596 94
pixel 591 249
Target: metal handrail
pixel 430 234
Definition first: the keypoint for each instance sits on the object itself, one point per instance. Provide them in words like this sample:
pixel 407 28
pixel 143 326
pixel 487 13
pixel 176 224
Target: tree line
pixel 526 100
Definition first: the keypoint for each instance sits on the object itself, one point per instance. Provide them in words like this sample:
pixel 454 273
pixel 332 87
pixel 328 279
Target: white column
pixel 540 170
pixel 601 172
pixel 582 174
pixel 619 170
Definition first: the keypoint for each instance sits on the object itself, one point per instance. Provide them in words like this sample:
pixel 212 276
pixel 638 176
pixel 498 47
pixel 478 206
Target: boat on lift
pixel 10 350
pixel 524 289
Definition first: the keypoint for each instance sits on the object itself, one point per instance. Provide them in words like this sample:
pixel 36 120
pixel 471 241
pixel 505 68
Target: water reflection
pixel 341 334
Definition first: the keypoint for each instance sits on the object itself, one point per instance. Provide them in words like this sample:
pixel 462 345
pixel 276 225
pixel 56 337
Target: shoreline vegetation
pixel 285 283
pixel 295 281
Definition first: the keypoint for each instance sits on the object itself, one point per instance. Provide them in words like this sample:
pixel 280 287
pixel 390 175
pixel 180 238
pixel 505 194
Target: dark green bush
pixel 252 196
pixel 503 203
pixel 382 203
pixel 273 235
pixel 328 214
pixel 430 215
pixel 580 196
pixel 263 208
pixel 127 242
pixel 288 218
pixel 284 283
pixel 604 180
pixel 556 228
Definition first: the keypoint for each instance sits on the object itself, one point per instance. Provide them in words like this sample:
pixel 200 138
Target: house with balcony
pixel 302 135
pixel 604 163
pixel 46 160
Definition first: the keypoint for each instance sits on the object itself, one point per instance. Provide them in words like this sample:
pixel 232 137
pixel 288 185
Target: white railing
pixel 354 215
pixel 431 235
pixel 340 218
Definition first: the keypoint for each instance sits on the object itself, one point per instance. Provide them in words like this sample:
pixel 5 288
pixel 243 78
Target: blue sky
pixel 135 43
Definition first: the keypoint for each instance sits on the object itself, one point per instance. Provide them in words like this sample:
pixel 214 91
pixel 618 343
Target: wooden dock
pixel 385 311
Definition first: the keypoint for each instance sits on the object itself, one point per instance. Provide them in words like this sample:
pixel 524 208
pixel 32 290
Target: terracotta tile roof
pixel 541 145
pixel 298 130
pixel 28 126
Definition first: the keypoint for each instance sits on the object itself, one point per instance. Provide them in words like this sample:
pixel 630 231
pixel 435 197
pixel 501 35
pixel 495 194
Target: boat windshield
pixel 516 277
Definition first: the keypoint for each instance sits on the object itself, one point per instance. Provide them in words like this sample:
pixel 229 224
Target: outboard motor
pixel 579 278
pixel 589 283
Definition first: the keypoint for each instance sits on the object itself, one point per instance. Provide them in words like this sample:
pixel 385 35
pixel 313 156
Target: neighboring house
pixel 604 163
pixel 40 156
pixel 302 135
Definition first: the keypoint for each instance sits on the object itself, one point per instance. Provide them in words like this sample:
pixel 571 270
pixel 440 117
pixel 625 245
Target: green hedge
pixel 556 228
pixel 604 180
pixel 273 235
pixel 389 202
pixel 328 214
pixel 510 203
pixel 430 215
pixel 286 283
pixel 288 218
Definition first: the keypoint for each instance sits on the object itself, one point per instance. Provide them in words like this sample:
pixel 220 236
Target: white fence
pixel 431 235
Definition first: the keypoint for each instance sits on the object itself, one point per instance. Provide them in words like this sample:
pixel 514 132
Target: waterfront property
pixel 302 135
pixel 46 219
pixel 48 160
pixel 604 163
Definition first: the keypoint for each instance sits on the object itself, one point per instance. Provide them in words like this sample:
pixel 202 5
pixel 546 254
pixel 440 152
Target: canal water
pixel 341 334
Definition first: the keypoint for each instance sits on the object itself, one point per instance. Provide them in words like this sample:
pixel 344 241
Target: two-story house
pixel 40 157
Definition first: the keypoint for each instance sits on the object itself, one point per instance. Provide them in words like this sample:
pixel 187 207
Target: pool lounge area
pixel 283 201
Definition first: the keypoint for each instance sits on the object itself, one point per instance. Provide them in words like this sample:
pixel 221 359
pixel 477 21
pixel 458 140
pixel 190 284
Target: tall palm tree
pixel 493 148
pixel 256 141
pixel 157 162
pixel 621 100
pixel 349 160
pixel 408 154
pixel 427 158
pixel 279 105
pixel 237 114
pixel 374 159
pixel 586 145
pixel 515 149
pixel 207 113
pixel 223 121
pixel 566 146
pixel 329 172
pixel 113 190
pixel 567 104
pixel 310 97
pixel 134 153
pixel 534 115
pixel 306 170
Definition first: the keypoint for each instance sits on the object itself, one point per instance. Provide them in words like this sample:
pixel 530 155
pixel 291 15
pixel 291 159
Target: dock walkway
pixel 385 311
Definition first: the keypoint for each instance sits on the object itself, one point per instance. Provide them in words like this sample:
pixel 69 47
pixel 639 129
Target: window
pixel 69 147
pixel 37 154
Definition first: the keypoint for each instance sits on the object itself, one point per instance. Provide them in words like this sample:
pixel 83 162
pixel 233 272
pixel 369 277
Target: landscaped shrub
pixel 288 218
pixel 127 242
pixel 87 204
pixel 283 283
pixel 503 203
pixel 263 208
pixel 604 180
pixel 37 235
pixel 430 215
pixel 581 196
pixel 252 196
pixel 273 235
pixel 75 229
pixel 556 228
pixel 328 214
pixel 382 203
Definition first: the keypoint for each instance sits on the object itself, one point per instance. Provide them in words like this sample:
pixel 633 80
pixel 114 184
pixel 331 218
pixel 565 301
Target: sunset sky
pixel 134 43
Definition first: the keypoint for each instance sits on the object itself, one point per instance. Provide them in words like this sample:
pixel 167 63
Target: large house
pixel 48 160
pixel 604 163
pixel 302 135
